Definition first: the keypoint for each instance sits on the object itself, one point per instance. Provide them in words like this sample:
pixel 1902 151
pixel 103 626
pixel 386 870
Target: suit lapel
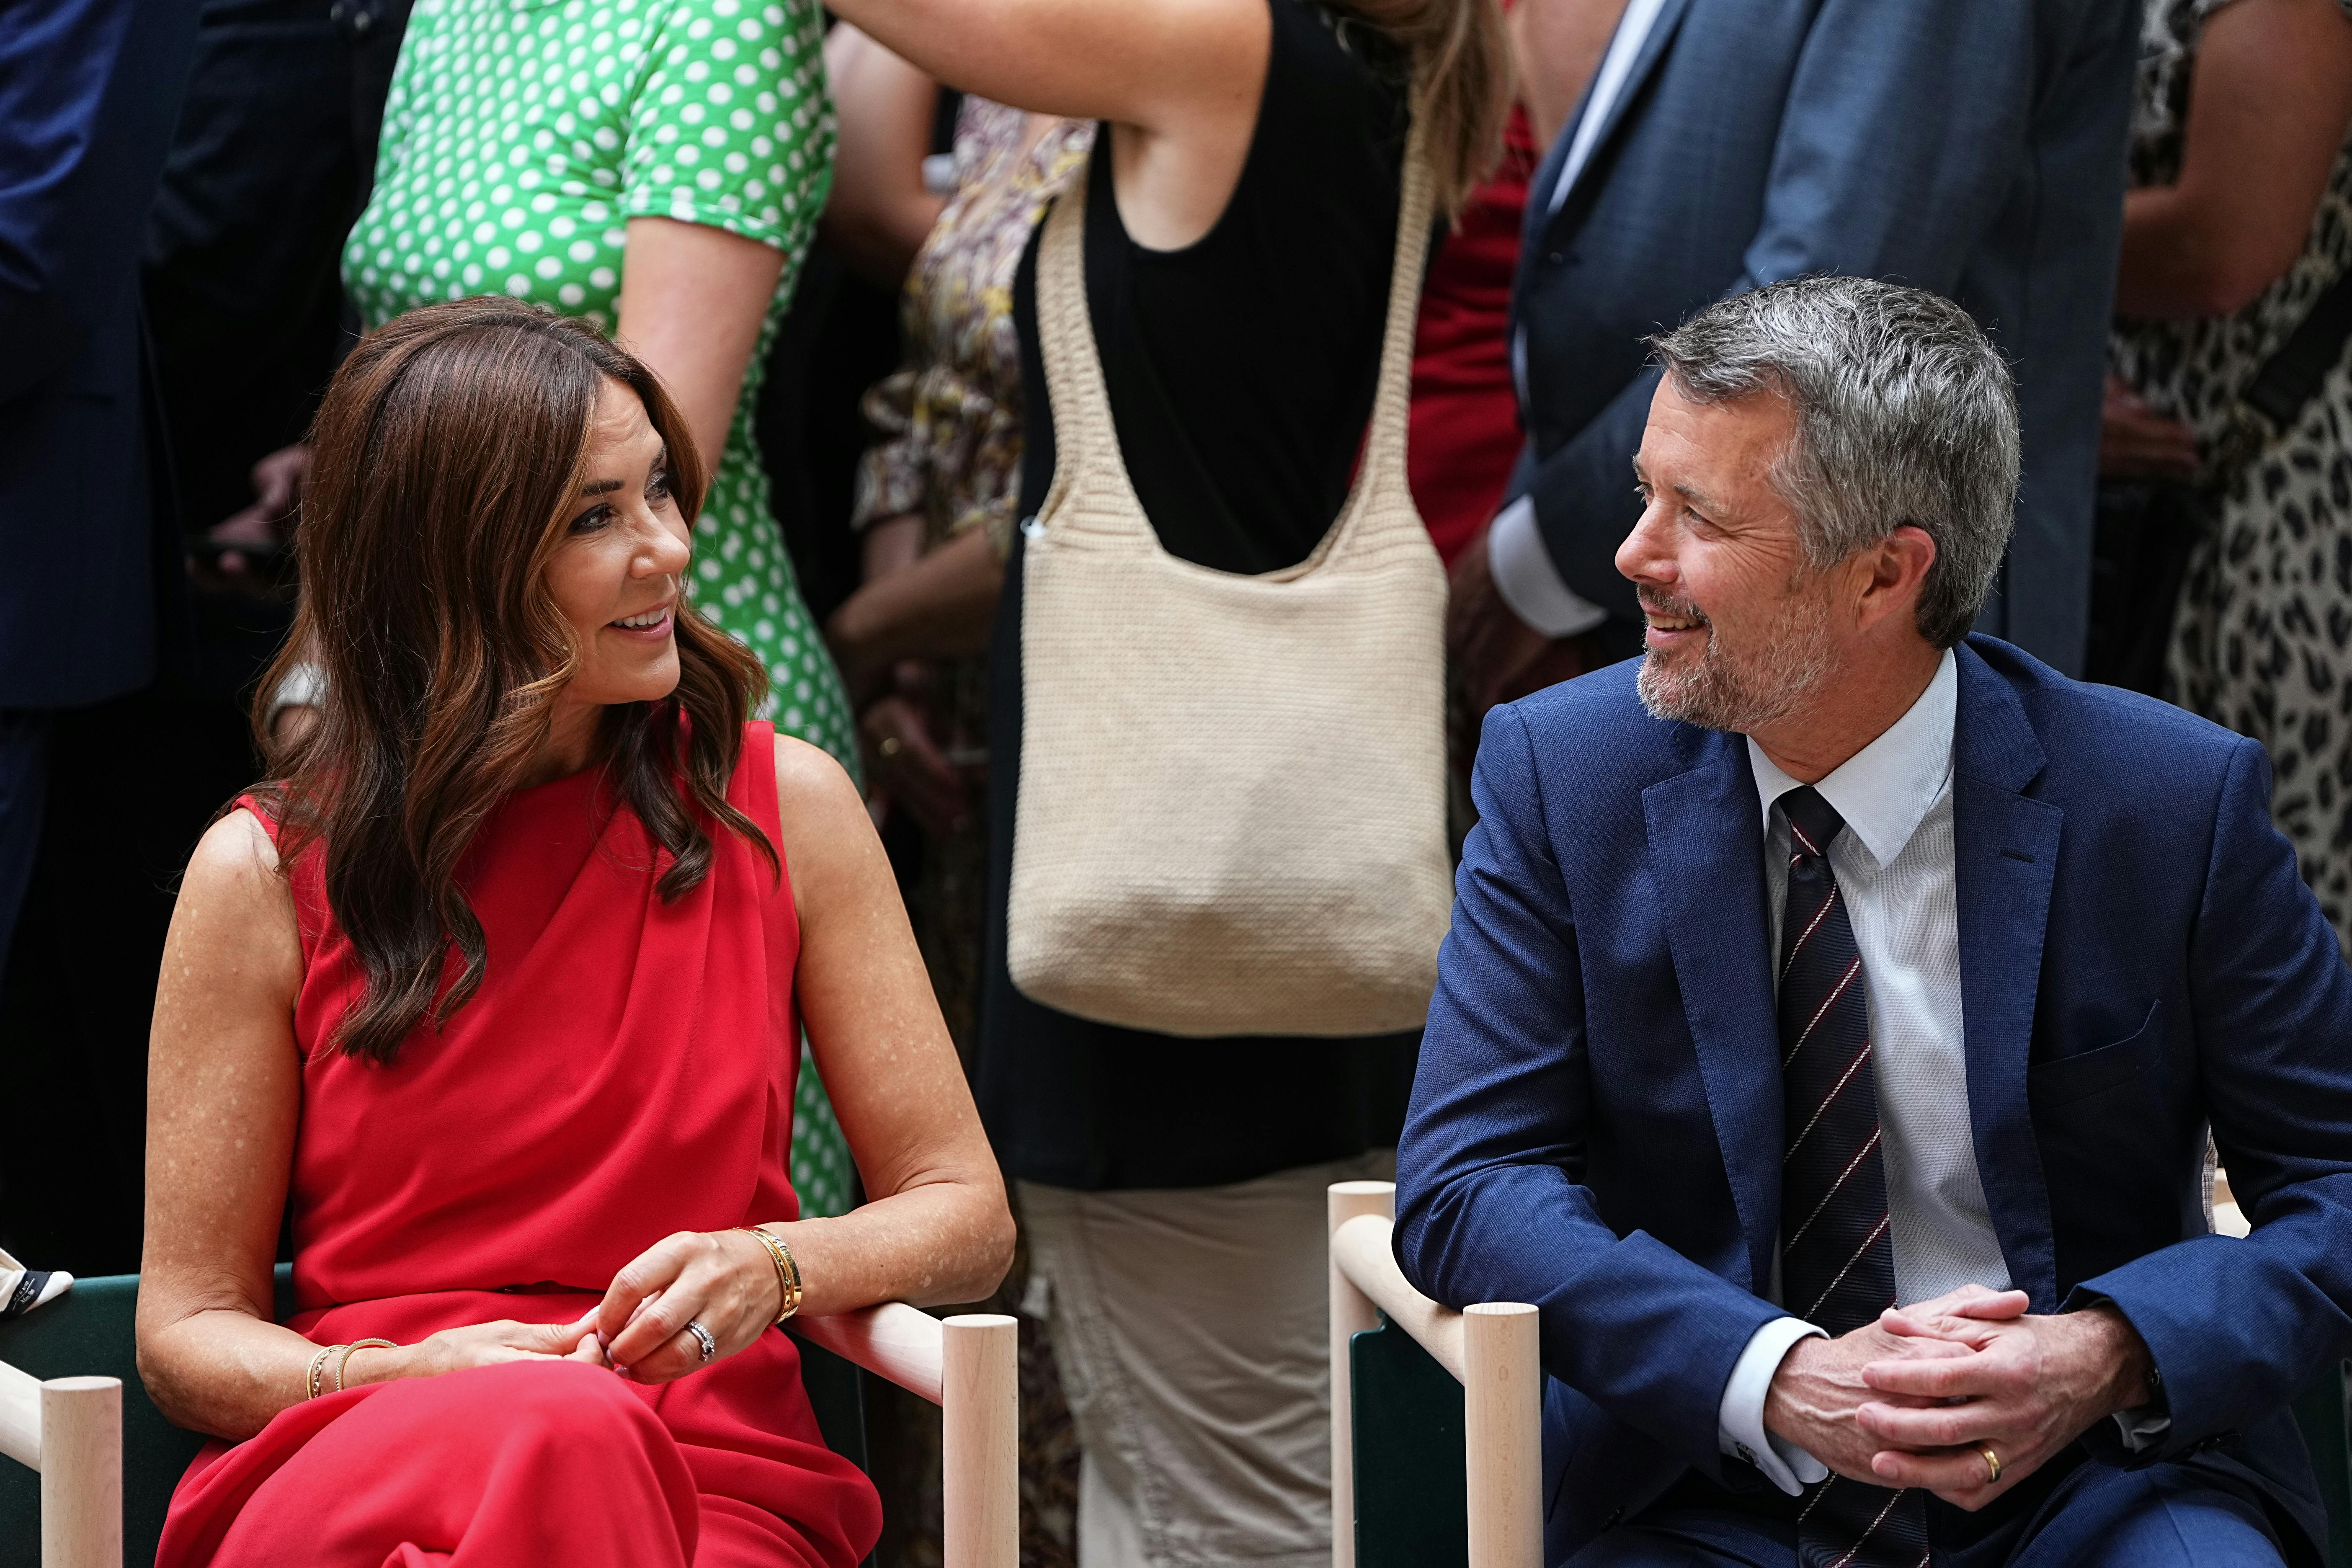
pixel 1706 846
pixel 2005 855
pixel 1537 220
pixel 1653 50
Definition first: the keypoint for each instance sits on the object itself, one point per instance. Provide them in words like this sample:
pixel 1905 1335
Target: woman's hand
pixel 2135 442
pixel 724 1281
pixel 477 1344
pixel 908 765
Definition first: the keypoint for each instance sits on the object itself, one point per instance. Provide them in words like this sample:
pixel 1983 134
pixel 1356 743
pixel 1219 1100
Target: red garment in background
pixel 1466 415
pixel 626 1071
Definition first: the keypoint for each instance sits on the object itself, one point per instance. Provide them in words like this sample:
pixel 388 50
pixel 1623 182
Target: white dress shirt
pixel 1522 569
pixel 1895 871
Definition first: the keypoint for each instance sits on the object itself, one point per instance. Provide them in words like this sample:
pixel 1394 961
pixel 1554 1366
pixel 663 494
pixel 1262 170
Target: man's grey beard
pixel 1751 692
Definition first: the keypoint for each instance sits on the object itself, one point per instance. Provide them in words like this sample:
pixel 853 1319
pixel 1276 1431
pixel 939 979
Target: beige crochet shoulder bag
pixel 1232 818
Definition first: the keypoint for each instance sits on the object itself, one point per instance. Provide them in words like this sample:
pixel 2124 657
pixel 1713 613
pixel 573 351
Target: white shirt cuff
pixel 2143 1427
pixel 1739 1421
pixel 1528 582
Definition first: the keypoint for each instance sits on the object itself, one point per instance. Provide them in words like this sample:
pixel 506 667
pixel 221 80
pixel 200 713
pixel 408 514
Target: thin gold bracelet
pixel 354 1348
pixel 317 1370
pixel 788 1272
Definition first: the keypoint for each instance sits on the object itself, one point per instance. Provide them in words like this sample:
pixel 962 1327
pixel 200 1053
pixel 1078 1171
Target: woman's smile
pixel 647 625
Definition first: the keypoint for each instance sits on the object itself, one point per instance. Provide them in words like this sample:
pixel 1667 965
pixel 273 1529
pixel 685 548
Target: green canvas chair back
pixel 88 1332
pixel 1413 1505
pixel 1413 1494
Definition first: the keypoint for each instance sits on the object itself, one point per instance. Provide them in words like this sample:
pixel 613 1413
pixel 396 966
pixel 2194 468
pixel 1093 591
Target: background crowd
pixel 2148 205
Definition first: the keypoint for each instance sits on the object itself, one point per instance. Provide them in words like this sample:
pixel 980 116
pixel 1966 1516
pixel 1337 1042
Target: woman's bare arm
pixel 879 212
pixel 224 1092
pixel 935 1227
pixel 1179 80
pixel 2268 103
pixel 693 298
pixel 941 606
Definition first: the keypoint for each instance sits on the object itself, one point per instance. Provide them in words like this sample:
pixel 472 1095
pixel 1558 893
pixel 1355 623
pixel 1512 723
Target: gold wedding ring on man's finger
pixel 1992 1465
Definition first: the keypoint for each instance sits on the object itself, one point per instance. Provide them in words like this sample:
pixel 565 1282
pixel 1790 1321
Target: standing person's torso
pixel 521 137
pixel 1241 373
pixel 2193 370
pixel 1666 214
pixel 1240 367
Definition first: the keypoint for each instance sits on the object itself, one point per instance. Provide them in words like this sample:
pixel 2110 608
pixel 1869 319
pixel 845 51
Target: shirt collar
pixel 1884 790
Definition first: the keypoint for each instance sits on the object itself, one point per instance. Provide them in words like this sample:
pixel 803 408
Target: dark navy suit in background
pixel 88 93
pixel 1596 1125
pixel 1975 150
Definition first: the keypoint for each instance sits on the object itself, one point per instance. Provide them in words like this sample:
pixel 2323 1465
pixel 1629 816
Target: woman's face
pixel 617 575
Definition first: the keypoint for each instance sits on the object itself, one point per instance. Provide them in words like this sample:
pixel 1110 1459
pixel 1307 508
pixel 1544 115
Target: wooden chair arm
pixel 69 1429
pixel 970 1367
pixel 1491 1348
pixel 894 1341
pixel 20 1416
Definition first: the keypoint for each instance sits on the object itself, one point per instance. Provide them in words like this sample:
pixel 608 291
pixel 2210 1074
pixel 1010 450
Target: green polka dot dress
pixel 519 138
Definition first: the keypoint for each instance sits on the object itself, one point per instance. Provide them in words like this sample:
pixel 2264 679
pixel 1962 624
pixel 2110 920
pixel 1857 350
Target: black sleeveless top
pixel 1241 371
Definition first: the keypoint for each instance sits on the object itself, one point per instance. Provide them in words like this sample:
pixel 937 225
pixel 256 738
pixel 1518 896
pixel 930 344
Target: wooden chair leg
pixel 1351 1312
pixel 1502 1392
pixel 979 1407
pixel 81 1473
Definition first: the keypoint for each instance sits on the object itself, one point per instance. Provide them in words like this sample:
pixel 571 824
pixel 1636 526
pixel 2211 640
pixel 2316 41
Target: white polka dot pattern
pixel 519 138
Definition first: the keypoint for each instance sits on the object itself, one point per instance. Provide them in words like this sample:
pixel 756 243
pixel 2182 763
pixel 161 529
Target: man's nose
pixel 1646 555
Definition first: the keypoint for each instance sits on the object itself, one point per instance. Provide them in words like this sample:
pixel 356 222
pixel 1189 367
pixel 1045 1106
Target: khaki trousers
pixel 1190 1330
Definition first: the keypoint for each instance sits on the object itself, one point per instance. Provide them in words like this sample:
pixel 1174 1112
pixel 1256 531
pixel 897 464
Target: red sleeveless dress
pixel 624 1071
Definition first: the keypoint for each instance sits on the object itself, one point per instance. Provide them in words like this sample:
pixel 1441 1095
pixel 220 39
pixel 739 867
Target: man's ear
pixel 1897 574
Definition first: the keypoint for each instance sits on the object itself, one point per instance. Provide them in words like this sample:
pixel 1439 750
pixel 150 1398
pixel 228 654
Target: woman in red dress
pixel 495 995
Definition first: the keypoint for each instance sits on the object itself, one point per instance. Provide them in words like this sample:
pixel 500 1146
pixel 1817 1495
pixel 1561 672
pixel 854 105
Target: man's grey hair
pixel 1905 413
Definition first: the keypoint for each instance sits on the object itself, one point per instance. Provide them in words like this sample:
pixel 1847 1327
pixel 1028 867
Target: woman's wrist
pixel 375 1363
pixel 757 1264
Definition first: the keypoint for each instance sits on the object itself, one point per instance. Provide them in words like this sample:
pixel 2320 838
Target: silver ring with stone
pixel 702 1337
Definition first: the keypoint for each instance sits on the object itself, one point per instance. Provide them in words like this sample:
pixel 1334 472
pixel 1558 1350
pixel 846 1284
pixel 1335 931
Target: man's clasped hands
pixel 1915 1399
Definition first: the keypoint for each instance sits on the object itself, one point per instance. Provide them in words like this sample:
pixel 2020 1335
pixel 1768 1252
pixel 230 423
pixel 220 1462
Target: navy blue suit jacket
pixel 1974 150
pixel 1596 1124
pixel 88 93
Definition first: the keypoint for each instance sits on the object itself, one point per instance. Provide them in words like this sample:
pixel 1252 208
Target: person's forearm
pixel 225 1371
pixel 931 1244
pixel 693 298
pixel 942 607
pixel 2176 263
pixel 2269 92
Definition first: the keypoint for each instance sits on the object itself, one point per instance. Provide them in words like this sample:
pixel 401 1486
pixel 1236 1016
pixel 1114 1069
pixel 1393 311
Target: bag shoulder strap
pixel 1086 439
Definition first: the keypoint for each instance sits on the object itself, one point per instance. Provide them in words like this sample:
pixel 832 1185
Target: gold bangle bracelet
pixel 318 1369
pixel 788 1272
pixel 354 1348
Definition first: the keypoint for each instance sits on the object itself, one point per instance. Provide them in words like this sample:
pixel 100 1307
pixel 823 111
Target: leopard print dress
pixel 2263 642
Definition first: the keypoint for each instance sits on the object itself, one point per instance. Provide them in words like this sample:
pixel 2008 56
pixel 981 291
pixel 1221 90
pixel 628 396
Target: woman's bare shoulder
pixel 826 829
pixel 236 849
pixel 234 930
pixel 809 778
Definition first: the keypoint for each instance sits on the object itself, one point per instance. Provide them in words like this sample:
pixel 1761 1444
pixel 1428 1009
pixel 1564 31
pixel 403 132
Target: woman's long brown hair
pixel 1463 83
pixel 445 458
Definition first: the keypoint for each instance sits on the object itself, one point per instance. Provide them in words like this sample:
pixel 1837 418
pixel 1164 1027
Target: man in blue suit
pixel 1833 959
pixel 1975 150
pixel 89 91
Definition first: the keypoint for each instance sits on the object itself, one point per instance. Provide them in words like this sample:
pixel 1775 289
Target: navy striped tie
pixel 1837 1264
